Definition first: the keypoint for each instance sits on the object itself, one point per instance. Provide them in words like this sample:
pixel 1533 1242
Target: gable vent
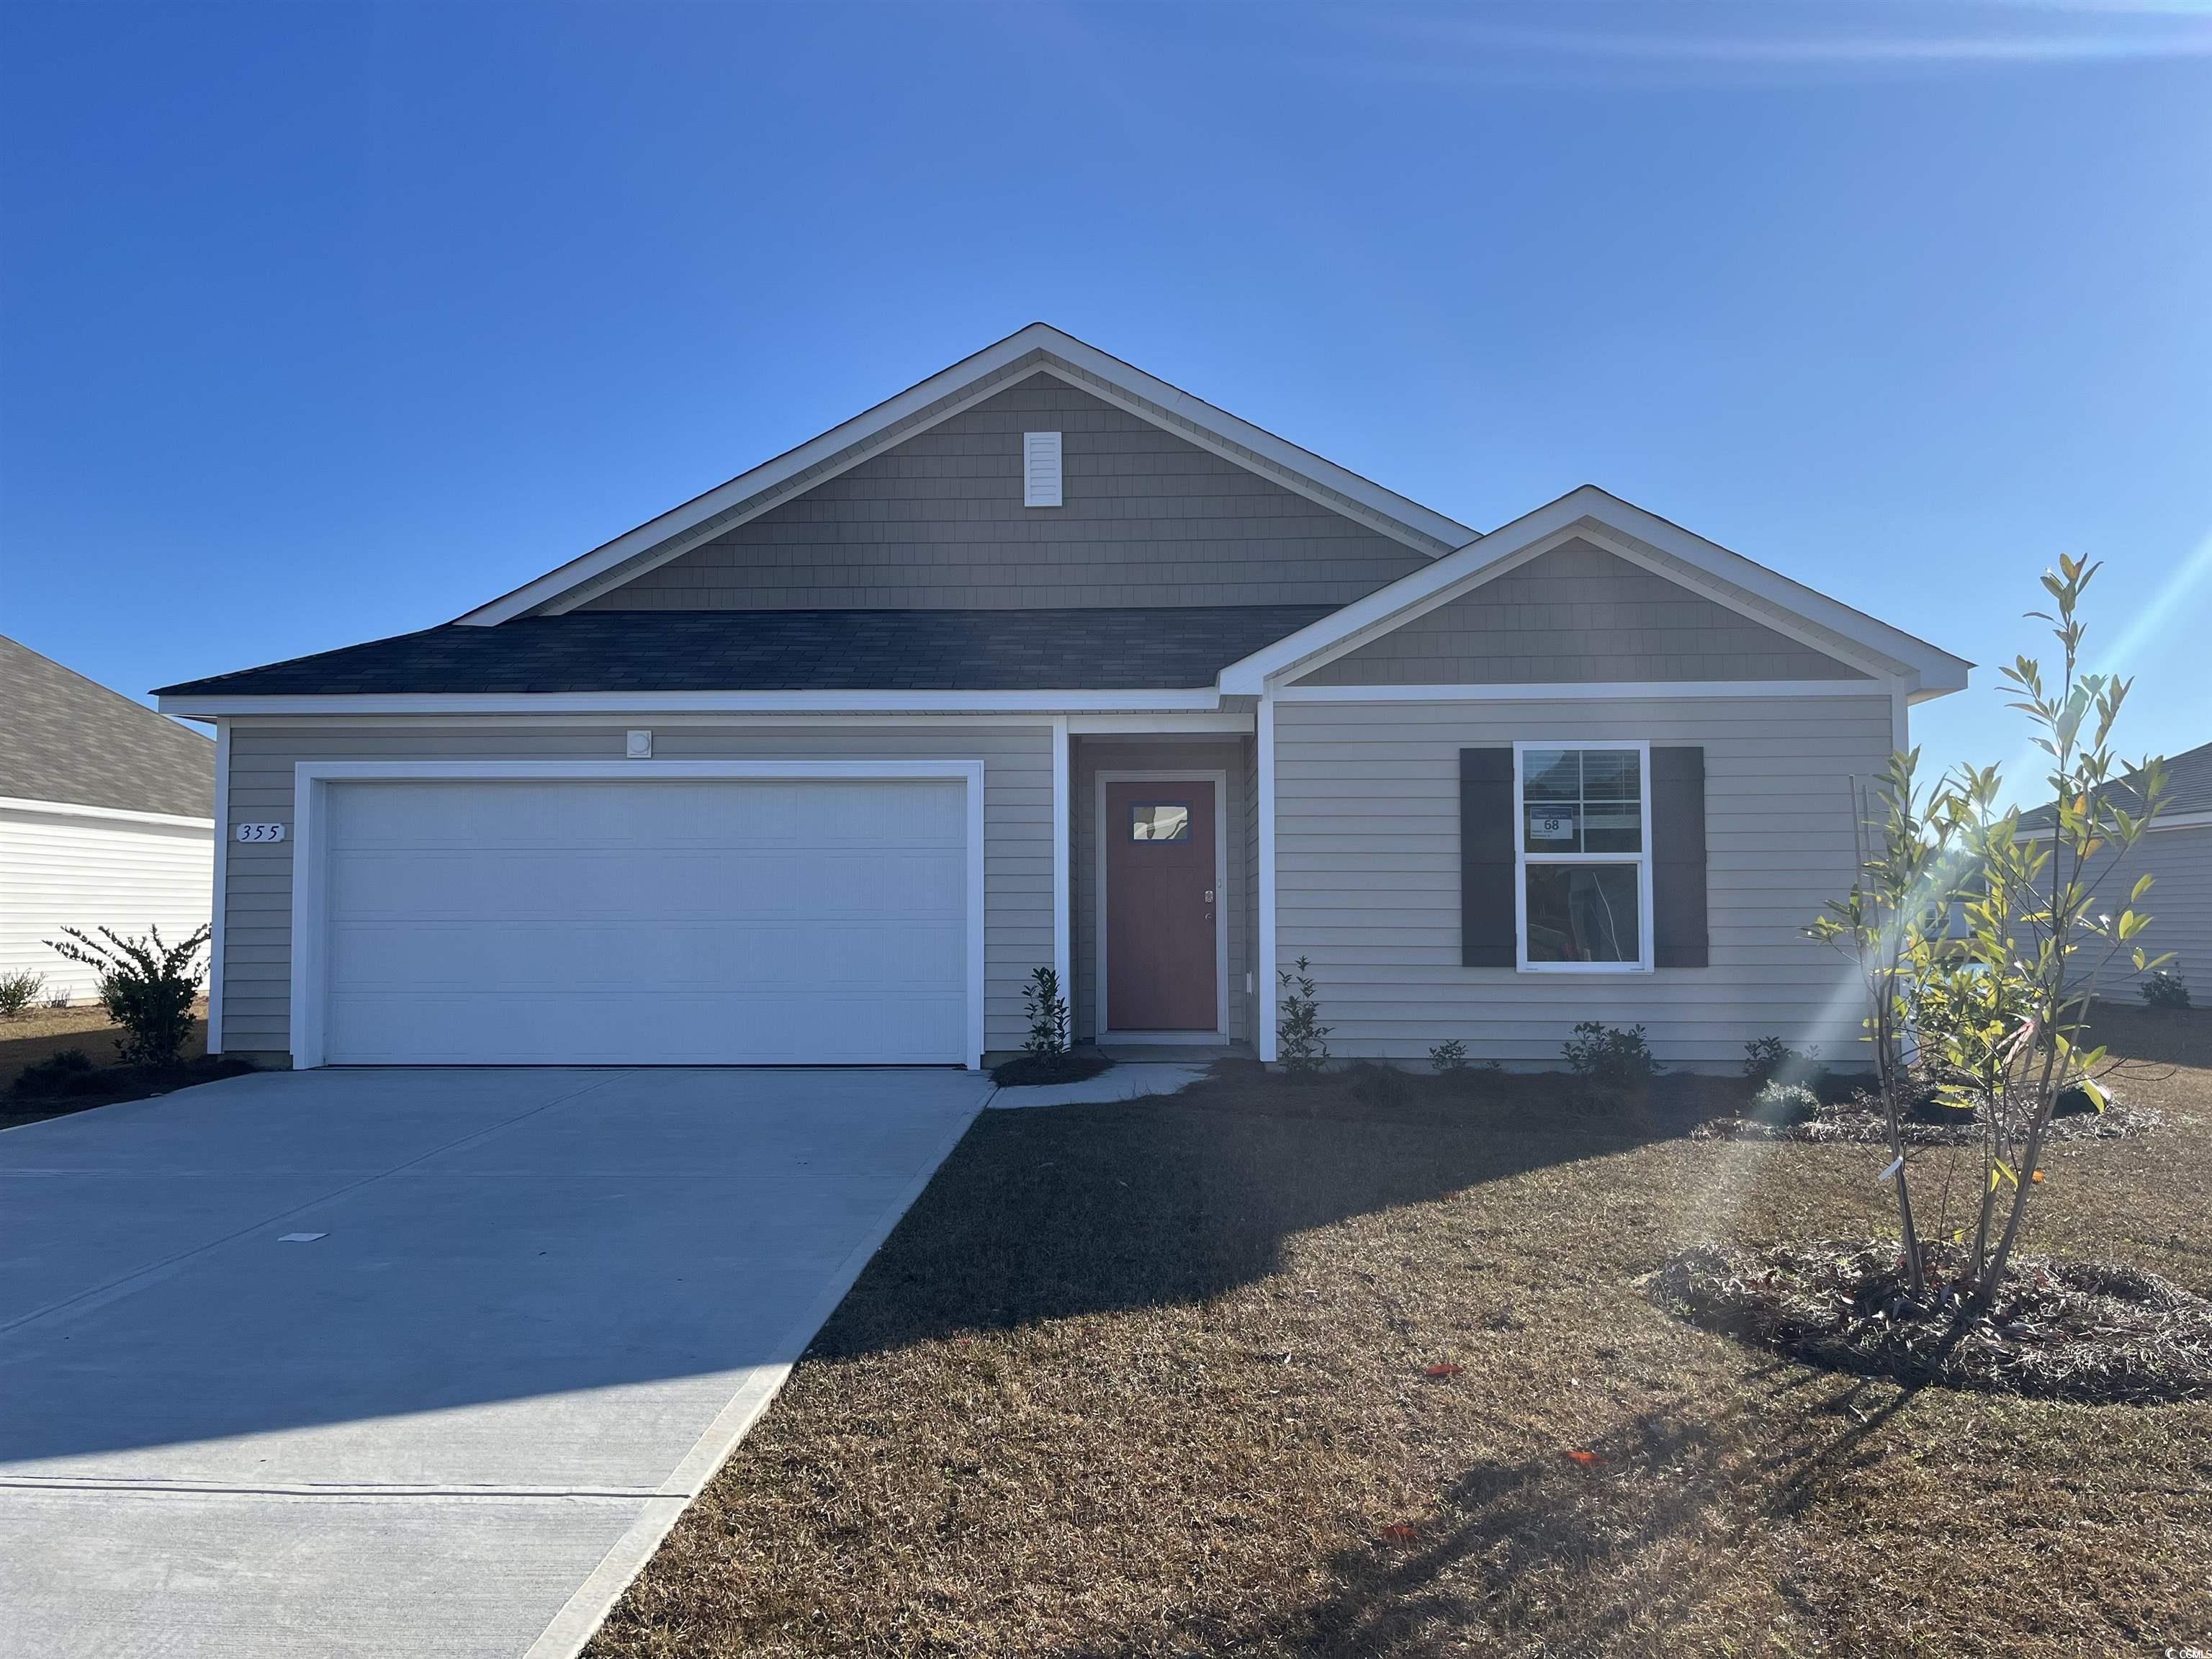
pixel 1041 469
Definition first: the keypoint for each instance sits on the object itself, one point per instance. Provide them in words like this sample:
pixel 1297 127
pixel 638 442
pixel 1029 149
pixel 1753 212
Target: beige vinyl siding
pixel 937 522
pixel 61 869
pixel 1236 819
pixel 1018 930
pixel 2180 905
pixel 1579 613
pixel 1368 875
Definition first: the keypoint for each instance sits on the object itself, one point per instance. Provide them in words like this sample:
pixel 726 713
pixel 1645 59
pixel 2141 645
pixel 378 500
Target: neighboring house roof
pixel 2188 791
pixel 1090 649
pixel 1643 538
pixel 64 737
pixel 1039 348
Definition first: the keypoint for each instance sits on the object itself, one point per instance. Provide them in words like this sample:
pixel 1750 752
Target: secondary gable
pixel 1579 613
pixel 937 522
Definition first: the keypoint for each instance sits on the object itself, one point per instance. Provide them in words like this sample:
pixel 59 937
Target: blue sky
pixel 323 322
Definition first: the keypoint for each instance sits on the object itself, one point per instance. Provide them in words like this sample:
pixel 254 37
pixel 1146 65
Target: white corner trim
pixel 1093 371
pixel 1100 1013
pixel 70 809
pixel 312 780
pixel 1063 854
pixel 1820 622
pixel 1584 692
pixel 219 899
pixel 1196 699
pixel 1264 986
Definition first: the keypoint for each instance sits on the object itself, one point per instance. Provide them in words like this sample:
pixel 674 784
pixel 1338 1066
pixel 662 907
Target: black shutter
pixel 1678 858
pixel 1486 858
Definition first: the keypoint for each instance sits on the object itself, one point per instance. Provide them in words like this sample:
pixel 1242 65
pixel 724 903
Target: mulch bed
pixel 40 1092
pixel 1860 1121
pixel 2092 1332
pixel 1026 1071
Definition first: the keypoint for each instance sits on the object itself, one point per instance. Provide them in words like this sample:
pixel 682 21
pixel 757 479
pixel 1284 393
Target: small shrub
pixel 1048 1015
pixel 1770 1060
pixel 1784 1104
pixel 57 999
pixel 147 987
pixel 1600 1054
pixel 1301 1040
pixel 2164 989
pixel 19 991
pixel 1450 1055
pixel 54 1074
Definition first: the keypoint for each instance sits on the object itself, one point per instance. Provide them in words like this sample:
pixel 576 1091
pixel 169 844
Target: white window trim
pixel 1522 858
pixel 1103 1032
pixel 312 780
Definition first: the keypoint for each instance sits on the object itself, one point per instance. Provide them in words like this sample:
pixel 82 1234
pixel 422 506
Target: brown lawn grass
pixel 1151 1379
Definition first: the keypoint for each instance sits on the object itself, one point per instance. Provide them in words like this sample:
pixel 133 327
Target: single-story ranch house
pixel 1045 662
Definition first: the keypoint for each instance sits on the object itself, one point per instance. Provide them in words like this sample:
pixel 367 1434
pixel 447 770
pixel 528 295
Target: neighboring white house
pixel 106 818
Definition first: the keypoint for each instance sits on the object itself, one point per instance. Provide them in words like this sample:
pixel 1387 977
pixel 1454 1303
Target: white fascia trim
pixel 1196 700
pixel 311 780
pixel 1227 720
pixel 220 900
pixel 1583 691
pixel 1880 649
pixel 1089 364
pixel 70 809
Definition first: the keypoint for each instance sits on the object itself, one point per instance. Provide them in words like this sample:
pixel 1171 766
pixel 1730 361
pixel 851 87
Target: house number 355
pixel 261 832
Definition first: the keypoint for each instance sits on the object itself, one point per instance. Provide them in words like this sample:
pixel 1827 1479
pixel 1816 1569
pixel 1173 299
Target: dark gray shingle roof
pixel 64 737
pixel 1104 650
pixel 2188 788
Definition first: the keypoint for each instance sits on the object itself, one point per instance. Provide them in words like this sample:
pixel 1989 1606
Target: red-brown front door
pixel 1161 903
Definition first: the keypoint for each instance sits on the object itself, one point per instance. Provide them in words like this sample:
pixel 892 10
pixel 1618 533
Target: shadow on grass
pixel 1081 1209
pixel 1524 1546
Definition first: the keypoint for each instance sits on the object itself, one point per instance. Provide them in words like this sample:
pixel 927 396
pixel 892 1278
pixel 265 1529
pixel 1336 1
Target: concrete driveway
pixel 541 1307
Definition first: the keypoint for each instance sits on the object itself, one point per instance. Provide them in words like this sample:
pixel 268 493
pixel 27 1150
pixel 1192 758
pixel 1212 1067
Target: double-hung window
pixel 1582 856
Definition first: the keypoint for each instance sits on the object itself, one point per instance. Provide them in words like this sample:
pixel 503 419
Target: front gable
pixel 937 521
pixel 1627 590
pixel 1579 614
pixel 1206 514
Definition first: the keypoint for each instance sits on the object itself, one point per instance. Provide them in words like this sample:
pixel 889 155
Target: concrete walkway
pixel 527 1315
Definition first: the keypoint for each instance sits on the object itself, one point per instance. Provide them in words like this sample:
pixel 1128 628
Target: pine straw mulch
pixel 1261 1370
pixel 1860 1121
pixel 2094 1332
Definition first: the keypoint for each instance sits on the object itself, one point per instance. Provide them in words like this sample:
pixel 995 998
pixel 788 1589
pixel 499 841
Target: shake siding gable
pixel 1578 613
pixel 937 522
pixel 1368 885
pixel 1017 921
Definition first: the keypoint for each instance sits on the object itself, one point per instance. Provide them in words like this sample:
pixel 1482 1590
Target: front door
pixel 1161 906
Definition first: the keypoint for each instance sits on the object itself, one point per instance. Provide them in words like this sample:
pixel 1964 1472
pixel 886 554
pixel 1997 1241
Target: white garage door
pixel 659 922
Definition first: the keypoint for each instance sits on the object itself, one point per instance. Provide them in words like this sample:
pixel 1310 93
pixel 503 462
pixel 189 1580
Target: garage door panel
pixel 568 921
pixel 664 884
pixel 831 958
pixel 609 1028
